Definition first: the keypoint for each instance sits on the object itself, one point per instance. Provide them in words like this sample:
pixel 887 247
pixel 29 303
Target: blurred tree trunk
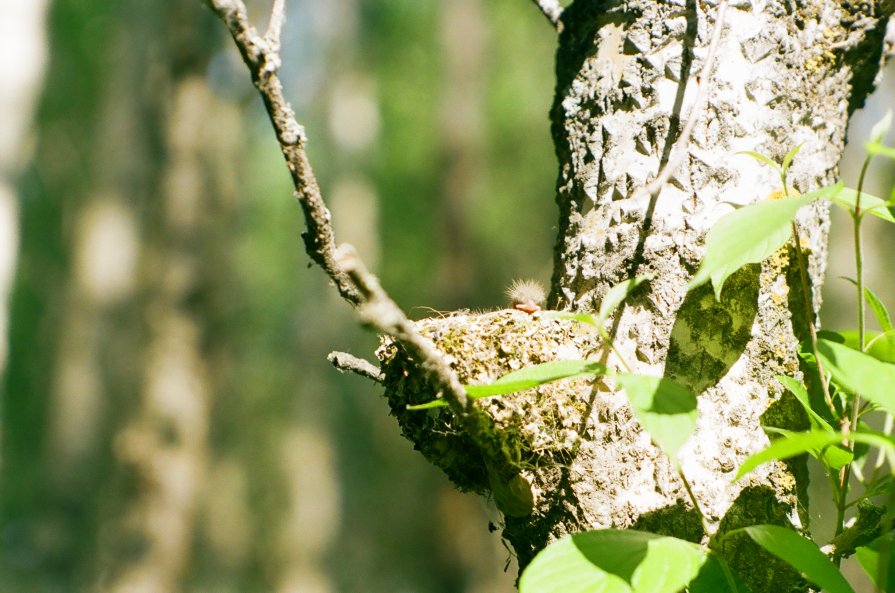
pixel 107 408
pixel 23 49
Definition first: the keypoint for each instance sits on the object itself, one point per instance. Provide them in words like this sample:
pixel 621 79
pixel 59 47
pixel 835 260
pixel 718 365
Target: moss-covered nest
pixel 532 428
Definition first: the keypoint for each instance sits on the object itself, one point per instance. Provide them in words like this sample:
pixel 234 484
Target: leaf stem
pixel 809 311
pixel 857 216
pixel 852 424
pixel 605 335
pixel 692 496
pixel 840 487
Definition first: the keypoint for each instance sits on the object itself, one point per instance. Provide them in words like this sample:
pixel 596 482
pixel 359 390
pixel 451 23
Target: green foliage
pixel 876 305
pixel 783 168
pixel 856 372
pixel 617 294
pixel 882 574
pixel 798 390
pixel 750 235
pixel 847 199
pixel 716 577
pixel 874 145
pixel 526 378
pixel 613 561
pixel 879 131
pixel 792 444
pixel 802 554
pixel 537 375
pixel 666 410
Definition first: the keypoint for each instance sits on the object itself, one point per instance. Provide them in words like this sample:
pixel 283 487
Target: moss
pixel 761 571
pixel 526 431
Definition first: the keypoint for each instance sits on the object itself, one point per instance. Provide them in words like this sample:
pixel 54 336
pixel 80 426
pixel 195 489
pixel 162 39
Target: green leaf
pixel 879 310
pixel 857 372
pixel 613 561
pixel 789 156
pixel 802 554
pixel 614 296
pixel 666 410
pixel 881 128
pixel 536 375
pixel 869 559
pixel 835 456
pixel 847 198
pixel 762 159
pixel 881 346
pixel 435 403
pixel 749 235
pixel 798 390
pixel 526 378
pixel 874 148
pixel 618 293
pixel 716 577
pixel 880 486
pixel 804 442
pixel 582 317
pixel 876 305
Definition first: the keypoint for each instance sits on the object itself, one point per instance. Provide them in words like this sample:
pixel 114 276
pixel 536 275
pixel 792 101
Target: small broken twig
pixel 349 363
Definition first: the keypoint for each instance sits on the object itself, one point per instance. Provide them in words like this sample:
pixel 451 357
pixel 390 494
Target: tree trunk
pixel 571 457
pixel 23 55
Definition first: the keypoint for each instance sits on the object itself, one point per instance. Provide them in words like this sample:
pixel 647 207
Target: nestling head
pixel 526 295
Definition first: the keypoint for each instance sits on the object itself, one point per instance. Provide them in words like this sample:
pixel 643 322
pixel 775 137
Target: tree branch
pixel 354 283
pixel 379 311
pixel 263 60
pixel 552 10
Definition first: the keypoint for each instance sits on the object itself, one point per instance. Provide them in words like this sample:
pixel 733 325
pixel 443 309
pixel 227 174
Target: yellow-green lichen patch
pixel 529 429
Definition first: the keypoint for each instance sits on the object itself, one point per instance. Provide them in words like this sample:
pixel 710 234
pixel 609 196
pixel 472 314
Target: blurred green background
pixel 169 420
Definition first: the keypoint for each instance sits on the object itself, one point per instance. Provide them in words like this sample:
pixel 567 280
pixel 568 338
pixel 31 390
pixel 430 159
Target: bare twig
pixel 552 10
pixel 379 311
pixel 349 363
pixel 354 283
pixel 275 26
pixel 263 62
pixel 680 149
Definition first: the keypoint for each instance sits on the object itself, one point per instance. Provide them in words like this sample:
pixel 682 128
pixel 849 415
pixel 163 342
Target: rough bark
pixel 574 458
